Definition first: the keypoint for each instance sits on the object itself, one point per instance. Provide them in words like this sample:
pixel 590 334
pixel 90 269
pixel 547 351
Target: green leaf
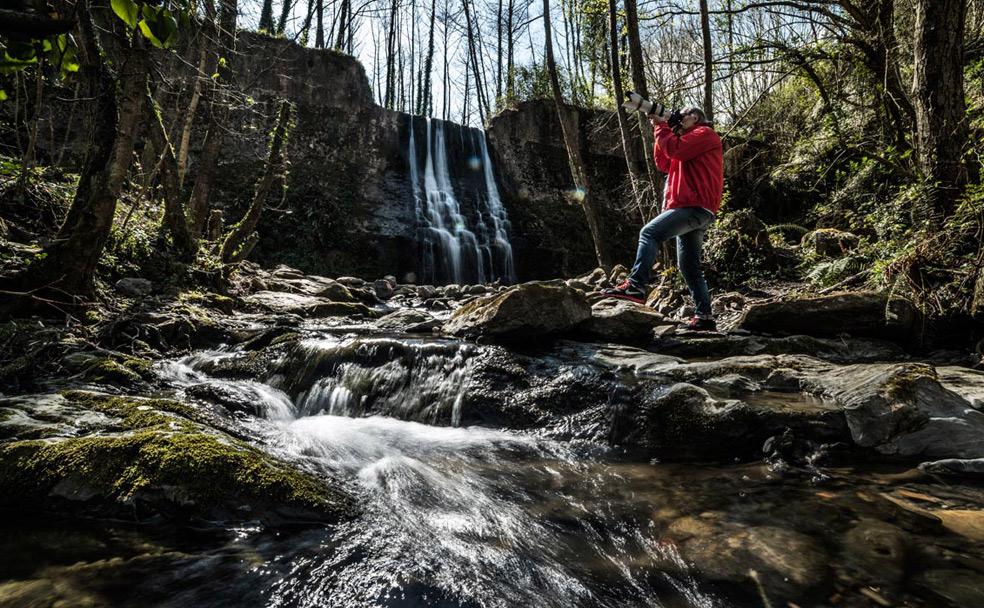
pixel 3 95
pixel 127 10
pixel 149 34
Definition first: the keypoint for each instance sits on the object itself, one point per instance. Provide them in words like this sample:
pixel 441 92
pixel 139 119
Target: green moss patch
pixel 162 463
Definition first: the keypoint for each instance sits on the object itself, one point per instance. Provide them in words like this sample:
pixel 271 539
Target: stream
pixel 472 516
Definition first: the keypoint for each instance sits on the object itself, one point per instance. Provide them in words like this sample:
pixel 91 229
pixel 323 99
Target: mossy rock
pixel 158 459
pixel 208 300
pixel 122 371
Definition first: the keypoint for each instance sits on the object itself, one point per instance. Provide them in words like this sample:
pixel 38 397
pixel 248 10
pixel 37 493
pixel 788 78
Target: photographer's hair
pixel 701 117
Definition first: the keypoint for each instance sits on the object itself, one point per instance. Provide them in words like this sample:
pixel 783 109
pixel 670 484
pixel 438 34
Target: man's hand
pixel 655 119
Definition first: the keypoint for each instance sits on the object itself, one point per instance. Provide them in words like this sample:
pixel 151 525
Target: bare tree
pixel 634 178
pixel 578 170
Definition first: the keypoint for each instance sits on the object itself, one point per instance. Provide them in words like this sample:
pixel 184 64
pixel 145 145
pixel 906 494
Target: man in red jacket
pixel 692 158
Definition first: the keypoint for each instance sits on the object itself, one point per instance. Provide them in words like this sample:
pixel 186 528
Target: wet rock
pixel 525 311
pixel 426 291
pixel 135 287
pixel 968 383
pixel 279 302
pixel 154 457
pixel 177 326
pixel 476 290
pixel 686 422
pixel 409 320
pixel 853 350
pixel 830 242
pixel 973 467
pixel 956 588
pixel 384 289
pixel 452 291
pixel 616 320
pixel 351 281
pixel 286 272
pixel 208 299
pixel 875 552
pixel 903 409
pixel 869 314
pixel 786 562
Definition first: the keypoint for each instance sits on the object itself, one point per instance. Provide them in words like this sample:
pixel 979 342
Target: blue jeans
pixel 687 224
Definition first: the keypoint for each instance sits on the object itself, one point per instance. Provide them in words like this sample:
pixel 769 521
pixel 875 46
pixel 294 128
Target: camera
pixel 635 102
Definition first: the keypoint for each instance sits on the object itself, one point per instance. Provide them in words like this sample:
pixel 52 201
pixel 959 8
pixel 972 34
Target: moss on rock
pixel 162 463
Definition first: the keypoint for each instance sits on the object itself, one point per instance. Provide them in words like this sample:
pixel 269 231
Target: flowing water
pixel 451 516
pixel 454 248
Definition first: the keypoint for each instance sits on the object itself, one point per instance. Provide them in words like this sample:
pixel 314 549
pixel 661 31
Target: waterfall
pixel 453 248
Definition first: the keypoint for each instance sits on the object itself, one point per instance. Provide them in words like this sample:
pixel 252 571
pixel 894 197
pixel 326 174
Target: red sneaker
pixel 701 324
pixel 626 291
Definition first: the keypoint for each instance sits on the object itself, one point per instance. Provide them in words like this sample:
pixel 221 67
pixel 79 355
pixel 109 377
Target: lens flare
pixel 474 163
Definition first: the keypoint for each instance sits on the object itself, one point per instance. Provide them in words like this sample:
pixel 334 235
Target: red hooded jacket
pixel 694 162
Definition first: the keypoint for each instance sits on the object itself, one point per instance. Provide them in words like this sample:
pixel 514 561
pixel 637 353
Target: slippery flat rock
pixel 852 350
pixel 617 356
pixel 968 383
pixel 685 421
pixel 903 409
pixel 409 320
pixel 869 314
pixel 621 321
pixel 522 312
pixel 279 302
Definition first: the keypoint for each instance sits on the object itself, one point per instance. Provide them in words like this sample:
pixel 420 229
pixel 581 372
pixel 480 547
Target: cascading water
pixel 454 517
pixel 452 250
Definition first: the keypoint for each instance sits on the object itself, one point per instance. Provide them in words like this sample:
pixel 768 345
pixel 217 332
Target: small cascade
pixel 458 245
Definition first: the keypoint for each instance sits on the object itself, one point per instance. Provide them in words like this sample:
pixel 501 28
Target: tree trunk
pixel 68 265
pixel 510 80
pixel 205 70
pixel 241 234
pixel 483 107
pixel 941 130
pixel 284 15
pixel 623 123
pixel 174 222
pixel 639 85
pixel 426 104
pixel 705 30
pixel 578 170
pixel 266 17
pixel 343 18
pixel 226 44
pixel 319 31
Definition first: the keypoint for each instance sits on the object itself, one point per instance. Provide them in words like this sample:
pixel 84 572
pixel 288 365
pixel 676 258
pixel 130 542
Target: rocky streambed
pixel 313 442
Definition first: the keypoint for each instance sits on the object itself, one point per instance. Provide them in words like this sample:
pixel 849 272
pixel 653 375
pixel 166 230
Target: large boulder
pixel 615 320
pixel 867 313
pixel 113 456
pixel 686 422
pixel 526 311
pixel 903 409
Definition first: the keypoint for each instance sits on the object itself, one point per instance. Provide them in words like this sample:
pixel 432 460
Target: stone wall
pixel 349 208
